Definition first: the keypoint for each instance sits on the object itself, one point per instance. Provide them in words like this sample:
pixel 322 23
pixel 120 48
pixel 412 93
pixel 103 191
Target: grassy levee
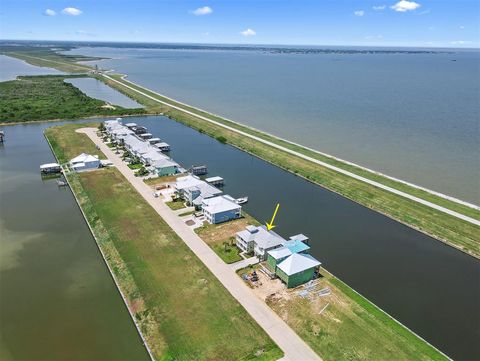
pixel 48 97
pixel 183 310
pixel 346 326
pixel 48 58
pixel 449 229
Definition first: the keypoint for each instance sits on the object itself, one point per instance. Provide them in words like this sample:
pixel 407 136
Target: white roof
pixel 219 204
pixel 84 158
pixel 187 182
pixel 163 163
pixel 49 165
pixel 280 252
pixel 213 179
pixel 298 262
pixel 263 238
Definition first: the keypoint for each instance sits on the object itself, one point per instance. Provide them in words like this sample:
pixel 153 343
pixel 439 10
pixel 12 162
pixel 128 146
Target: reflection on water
pixel 57 299
pixel 96 89
pixel 403 271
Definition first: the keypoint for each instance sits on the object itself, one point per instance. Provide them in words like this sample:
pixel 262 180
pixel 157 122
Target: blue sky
pixel 438 23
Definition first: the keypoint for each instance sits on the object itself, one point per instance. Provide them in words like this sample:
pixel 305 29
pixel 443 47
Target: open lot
pixel 340 324
pixel 183 310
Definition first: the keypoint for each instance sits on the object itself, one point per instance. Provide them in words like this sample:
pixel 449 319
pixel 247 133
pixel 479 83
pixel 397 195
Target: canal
pixel 432 288
pixel 57 299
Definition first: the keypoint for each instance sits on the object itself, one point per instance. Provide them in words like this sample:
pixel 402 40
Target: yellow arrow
pixel 270 225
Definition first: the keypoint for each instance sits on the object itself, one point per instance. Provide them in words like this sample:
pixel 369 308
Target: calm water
pixel 57 299
pixel 10 68
pixel 415 117
pixel 99 90
pixel 432 288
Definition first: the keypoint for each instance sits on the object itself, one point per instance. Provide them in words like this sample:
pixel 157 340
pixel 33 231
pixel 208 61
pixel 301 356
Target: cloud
pixel 461 27
pixel 460 42
pixel 85 33
pixel 202 11
pixel 248 32
pixel 379 7
pixel 72 11
pixel 49 12
pixel 359 13
pixel 405 5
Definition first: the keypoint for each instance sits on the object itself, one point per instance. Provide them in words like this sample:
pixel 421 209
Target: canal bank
pixel 400 270
pixel 56 295
pixel 75 187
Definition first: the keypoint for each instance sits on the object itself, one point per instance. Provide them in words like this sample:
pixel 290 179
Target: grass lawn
pixel 176 205
pixel 47 97
pixel 135 166
pixel 183 310
pixel 221 237
pixel 350 327
pixel 189 213
pixel 67 144
pixel 227 251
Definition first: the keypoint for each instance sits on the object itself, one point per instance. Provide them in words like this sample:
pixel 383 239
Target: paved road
pixel 244 263
pixel 303 156
pixel 293 346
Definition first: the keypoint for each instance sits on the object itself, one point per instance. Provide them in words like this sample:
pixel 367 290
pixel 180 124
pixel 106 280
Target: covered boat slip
pixel 49 168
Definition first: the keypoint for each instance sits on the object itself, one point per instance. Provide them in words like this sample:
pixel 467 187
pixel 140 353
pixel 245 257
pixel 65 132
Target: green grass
pixel 34 98
pixel 135 166
pixel 176 205
pixel 449 229
pixel 458 233
pixel 184 214
pixel 67 144
pixel 350 328
pixel 227 252
pixel 184 311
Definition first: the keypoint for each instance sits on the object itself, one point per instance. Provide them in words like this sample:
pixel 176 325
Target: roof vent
pixel 252 229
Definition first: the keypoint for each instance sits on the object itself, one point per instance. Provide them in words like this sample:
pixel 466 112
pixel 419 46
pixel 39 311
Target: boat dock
pixel 215 181
pixel 50 168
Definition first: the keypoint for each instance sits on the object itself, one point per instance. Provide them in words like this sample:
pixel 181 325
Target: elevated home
pixel 194 190
pixel 297 269
pixel 221 209
pixel 276 256
pixel 164 166
pixel 258 240
pixel 85 162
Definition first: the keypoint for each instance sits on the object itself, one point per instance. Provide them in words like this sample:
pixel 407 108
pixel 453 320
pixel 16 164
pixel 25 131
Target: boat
pixel 241 200
pixel 61 183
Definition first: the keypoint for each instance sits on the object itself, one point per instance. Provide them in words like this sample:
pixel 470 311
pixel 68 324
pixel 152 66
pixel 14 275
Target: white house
pixel 221 209
pixel 85 162
pixel 259 240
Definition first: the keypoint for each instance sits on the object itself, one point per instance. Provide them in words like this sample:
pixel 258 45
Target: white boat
pixel 241 200
pixel 61 183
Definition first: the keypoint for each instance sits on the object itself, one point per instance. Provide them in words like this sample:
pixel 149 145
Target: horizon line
pixel 241 44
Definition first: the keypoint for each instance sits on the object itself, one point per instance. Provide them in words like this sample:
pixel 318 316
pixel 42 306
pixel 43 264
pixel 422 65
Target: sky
pixel 420 23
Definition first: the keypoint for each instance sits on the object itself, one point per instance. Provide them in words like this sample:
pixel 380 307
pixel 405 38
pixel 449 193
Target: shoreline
pixel 90 134
pixel 117 285
pixel 433 192
pixel 372 171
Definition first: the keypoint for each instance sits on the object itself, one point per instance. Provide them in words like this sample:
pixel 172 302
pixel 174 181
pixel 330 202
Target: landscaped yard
pixel 183 310
pixel 221 237
pixel 176 205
